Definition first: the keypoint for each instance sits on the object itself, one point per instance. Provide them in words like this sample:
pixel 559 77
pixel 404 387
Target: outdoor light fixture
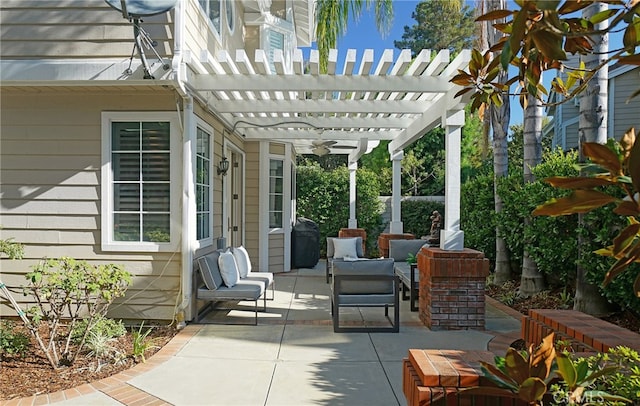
pixel 223 166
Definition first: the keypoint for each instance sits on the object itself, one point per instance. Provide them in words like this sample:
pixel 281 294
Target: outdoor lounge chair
pixel 344 245
pixel 365 283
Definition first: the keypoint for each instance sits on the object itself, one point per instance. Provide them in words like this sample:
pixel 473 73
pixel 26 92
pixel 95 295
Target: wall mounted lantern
pixel 223 166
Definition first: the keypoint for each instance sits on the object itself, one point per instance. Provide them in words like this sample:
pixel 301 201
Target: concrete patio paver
pixel 292 357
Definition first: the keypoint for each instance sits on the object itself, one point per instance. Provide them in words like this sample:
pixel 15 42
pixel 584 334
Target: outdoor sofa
pixel 339 247
pixel 225 276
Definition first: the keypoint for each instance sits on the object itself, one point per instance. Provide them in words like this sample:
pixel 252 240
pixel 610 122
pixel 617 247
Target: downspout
pixel 183 310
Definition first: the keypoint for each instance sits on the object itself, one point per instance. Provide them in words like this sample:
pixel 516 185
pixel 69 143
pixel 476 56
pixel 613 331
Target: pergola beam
pixel 320 106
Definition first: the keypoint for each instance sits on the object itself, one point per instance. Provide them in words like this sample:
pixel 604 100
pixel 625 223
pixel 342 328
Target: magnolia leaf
pixel 627 208
pixel 532 389
pixel 566 370
pixel 570 6
pixel 630 60
pixel 463 91
pixel 604 371
pixel 580 201
pixel 633 164
pixel 627 141
pixel 506 55
pixel 495 15
pixel 621 264
pixel 517 367
pixel 625 238
pixel 605 252
pixel 603 156
pixel 602 16
pixel 630 38
pixel 498 377
pixel 582 369
pixel 549 44
pixel 542 358
pixel 566 182
pixel 518 30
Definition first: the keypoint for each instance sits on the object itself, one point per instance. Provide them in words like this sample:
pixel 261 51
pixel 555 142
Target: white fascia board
pixel 77 70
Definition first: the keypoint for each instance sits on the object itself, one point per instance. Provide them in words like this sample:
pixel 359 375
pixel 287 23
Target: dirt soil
pixel 554 299
pixel 31 373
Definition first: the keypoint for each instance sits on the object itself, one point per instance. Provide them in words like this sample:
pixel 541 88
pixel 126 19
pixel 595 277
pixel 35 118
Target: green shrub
pixel 102 326
pixel 477 215
pixel 626 380
pixel 12 342
pixel 415 216
pixel 323 196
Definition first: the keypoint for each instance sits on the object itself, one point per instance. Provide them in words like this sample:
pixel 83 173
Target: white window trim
pixel 205 242
pixel 106 186
pixel 277 230
pixel 217 35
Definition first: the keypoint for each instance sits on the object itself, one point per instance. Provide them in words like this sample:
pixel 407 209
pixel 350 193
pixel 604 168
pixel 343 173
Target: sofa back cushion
pixel 383 266
pixel 228 269
pixel 399 250
pixel 208 266
pixel 242 260
pixel 331 247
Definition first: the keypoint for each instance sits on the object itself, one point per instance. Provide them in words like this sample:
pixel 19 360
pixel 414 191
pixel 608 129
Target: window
pixel 212 10
pixel 138 202
pixel 203 184
pixel 231 14
pixel 276 192
pixel 276 41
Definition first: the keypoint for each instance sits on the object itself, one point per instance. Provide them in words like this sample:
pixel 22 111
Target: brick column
pixel 452 288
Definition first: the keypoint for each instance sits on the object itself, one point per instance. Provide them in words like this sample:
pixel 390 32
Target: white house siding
pixel 625 115
pixel 50 159
pixel 276 252
pixel 74 29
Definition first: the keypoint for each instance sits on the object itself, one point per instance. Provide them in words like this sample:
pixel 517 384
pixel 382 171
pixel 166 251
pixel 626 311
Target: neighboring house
pixel 624 80
pixel 106 159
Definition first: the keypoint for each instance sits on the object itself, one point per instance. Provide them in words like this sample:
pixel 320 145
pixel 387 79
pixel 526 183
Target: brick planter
pixel 452 289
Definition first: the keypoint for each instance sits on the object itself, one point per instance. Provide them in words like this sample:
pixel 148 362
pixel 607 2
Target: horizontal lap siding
pixel 252 200
pixel 74 29
pixel 50 159
pixel 626 114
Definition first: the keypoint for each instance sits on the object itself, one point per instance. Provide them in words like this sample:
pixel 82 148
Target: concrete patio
pixel 292 357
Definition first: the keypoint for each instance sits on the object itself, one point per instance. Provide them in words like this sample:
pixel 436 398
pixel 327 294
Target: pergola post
pixel 396 226
pixel 451 237
pixel 353 221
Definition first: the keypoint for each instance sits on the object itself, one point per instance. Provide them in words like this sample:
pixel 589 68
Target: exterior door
pixel 234 200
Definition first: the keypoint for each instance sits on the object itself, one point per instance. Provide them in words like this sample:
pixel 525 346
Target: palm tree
pixel 592 127
pixel 498 120
pixel 531 280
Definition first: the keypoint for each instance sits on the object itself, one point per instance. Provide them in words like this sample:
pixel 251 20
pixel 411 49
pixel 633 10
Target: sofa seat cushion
pixel 265 277
pixel 238 292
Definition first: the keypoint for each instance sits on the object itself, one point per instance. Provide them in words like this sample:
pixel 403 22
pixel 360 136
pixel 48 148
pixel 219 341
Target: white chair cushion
pixel 242 260
pixel 345 247
pixel 228 269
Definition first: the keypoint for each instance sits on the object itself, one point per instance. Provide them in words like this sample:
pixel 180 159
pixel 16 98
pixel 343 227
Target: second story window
pixel 212 10
pixel 230 9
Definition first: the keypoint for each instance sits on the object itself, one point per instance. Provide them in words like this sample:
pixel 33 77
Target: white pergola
pixel 346 112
